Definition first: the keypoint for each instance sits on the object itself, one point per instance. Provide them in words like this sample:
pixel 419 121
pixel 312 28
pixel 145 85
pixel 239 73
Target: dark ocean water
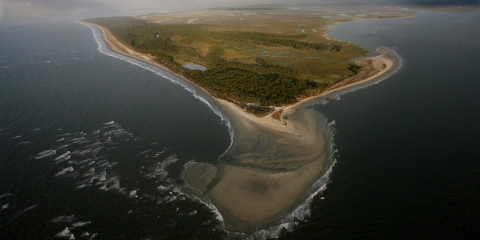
pixel 56 91
pixel 408 163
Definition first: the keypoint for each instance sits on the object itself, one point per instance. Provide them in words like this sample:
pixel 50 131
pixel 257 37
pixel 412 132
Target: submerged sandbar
pixel 273 161
pixel 265 173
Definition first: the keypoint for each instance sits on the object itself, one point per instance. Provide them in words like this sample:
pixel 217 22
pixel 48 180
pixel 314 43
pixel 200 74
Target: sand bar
pixel 271 164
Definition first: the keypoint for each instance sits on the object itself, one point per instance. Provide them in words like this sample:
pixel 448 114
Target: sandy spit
pixel 271 163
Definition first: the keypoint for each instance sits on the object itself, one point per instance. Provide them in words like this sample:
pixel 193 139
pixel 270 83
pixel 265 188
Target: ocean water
pixel 93 144
pixel 408 163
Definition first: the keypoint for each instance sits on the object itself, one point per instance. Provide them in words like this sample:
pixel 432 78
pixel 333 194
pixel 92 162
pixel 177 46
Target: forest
pixel 254 86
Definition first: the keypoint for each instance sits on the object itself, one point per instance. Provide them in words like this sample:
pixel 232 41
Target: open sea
pixel 93 144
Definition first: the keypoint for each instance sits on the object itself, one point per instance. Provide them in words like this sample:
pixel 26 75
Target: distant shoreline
pixel 272 162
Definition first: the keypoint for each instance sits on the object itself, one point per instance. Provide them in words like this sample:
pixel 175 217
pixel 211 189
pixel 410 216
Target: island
pixel 263 65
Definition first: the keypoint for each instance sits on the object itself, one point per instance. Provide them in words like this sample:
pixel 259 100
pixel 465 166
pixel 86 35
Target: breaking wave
pixel 67 231
pixel 16 215
pixel 159 169
pixel 102 47
pixel 46 153
pixel 303 211
pixel 290 221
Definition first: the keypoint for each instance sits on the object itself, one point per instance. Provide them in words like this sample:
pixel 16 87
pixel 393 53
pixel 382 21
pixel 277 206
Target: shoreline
pixel 392 65
pixel 271 162
pixel 116 46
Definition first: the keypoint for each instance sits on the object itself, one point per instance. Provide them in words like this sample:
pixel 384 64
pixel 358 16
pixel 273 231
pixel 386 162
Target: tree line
pixel 260 82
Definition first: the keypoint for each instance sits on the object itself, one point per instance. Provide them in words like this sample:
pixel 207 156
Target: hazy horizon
pixel 304 119
pixel 11 9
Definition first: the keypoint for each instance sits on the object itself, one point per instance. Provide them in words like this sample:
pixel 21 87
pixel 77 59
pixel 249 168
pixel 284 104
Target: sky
pixel 20 8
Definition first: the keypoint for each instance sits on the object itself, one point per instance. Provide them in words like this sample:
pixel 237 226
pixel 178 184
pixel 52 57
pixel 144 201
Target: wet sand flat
pixel 272 163
pixel 266 173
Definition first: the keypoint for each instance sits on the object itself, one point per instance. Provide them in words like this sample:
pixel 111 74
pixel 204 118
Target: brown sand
pixel 271 164
pixel 115 45
pixel 265 174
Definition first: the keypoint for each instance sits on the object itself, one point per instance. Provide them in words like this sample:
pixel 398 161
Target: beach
pixel 99 144
pixel 264 175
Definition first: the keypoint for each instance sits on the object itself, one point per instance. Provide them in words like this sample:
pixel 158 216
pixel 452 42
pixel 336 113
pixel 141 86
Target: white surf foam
pixel 159 169
pixel 5 206
pixel 146 151
pixel 84 152
pixel 133 194
pixel 46 153
pixel 113 184
pixel 23 143
pixel 16 215
pixel 69 169
pixel 77 140
pixel 162 188
pixel 303 211
pixel 79 224
pixel 5 195
pixel 102 47
pixel 62 147
pixel 64 233
pixel 63 156
pixel 63 218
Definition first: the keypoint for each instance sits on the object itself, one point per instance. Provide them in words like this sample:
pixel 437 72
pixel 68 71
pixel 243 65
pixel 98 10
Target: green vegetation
pixel 354 67
pixel 261 80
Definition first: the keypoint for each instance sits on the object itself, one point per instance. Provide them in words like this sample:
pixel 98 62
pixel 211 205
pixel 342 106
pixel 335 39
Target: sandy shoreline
pixel 116 46
pixel 387 57
pixel 271 163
